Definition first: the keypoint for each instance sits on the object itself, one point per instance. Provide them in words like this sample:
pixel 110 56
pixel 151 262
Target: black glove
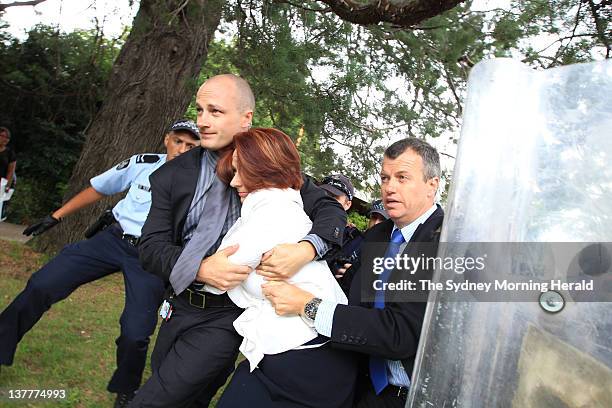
pixel 41 226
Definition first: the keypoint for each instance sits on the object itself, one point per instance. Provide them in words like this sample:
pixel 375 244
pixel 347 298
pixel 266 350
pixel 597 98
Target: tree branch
pixel 405 13
pixel 180 8
pixel 576 24
pixel 451 85
pixel 20 3
pixel 600 26
pixel 321 10
pixel 568 37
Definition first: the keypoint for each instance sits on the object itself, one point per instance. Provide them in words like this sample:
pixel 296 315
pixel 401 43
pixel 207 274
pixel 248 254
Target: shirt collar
pixel 408 230
pixel 211 157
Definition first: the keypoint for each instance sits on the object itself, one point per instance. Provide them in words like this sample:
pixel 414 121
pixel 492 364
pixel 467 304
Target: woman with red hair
pixel 288 364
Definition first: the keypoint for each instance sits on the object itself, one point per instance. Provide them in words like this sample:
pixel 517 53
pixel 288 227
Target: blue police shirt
pixel 133 173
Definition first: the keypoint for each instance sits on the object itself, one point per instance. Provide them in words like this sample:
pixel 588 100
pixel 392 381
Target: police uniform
pixel 132 173
pixel 349 253
pixel 107 252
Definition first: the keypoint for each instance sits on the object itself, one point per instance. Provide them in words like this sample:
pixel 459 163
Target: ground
pixel 73 346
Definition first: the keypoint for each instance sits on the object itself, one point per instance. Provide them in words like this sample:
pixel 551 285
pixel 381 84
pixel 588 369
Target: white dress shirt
pixel 270 217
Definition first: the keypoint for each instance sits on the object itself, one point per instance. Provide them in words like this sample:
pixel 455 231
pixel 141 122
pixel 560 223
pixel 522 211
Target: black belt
pixel 132 239
pixel 203 300
pixel 118 232
pixel 399 392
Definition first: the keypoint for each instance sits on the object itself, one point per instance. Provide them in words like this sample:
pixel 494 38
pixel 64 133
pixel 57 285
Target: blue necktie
pixel 378 368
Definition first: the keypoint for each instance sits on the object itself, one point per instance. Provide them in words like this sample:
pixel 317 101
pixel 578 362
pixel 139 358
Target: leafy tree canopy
pixel 52 84
pixel 342 91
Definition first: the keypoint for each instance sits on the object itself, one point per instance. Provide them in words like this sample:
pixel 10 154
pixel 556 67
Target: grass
pixel 73 346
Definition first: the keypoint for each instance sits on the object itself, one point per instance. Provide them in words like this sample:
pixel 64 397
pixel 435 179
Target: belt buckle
pixel 203 303
pixel 130 239
pixel 402 392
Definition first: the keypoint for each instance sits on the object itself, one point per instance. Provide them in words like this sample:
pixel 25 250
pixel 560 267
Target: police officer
pixel 108 251
pixel 377 213
pixel 340 187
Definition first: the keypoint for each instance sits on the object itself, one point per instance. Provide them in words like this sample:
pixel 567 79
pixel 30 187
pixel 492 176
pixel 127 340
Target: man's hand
pixel 341 271
pixel 285 260
pixel 286 298
pixel 218 271
pixel 41 226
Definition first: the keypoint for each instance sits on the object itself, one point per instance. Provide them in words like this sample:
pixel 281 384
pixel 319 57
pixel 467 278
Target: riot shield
pixel 534 164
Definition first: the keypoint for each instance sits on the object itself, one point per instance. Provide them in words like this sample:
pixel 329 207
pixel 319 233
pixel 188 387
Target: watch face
pixel 310 310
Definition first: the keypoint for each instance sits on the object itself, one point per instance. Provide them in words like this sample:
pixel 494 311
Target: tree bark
pixel 151 84
pixel 404 13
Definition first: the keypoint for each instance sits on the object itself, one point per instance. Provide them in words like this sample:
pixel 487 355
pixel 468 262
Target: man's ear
pixel 166 140
pixel 247 119
pixel 433 183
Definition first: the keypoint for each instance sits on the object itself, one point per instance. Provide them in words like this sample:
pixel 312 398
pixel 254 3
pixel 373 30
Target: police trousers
pixel 80 263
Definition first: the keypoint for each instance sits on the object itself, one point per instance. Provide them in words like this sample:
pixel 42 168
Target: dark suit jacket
pixel 173 187
pixel 393 332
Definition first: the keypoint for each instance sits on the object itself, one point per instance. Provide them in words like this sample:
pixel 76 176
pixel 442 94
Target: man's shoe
pixel 123 400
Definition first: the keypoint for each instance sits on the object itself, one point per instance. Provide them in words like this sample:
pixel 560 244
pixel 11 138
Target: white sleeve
pixel 269 224
pixel 260 232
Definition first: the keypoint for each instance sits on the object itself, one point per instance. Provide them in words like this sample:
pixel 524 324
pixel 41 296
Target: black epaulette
pixel 147 158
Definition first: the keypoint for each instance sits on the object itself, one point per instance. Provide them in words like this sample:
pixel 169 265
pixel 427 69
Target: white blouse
pixel 270 217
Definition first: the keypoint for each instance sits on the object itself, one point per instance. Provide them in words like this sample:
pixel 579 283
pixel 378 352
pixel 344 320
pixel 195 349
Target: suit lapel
pixel 380 237
pixel 374 245
pixel 426 230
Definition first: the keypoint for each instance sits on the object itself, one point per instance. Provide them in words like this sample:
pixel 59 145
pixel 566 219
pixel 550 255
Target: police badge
pixel 123 164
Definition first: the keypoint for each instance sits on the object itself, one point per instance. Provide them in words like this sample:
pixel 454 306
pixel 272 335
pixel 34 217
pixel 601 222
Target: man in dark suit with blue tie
pixel 383 325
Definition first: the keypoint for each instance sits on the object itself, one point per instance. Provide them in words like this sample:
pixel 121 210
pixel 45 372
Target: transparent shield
pixel 534 165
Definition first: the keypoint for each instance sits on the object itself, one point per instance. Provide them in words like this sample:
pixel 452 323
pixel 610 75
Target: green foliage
pixel 549 33
pixel 52 84
pixel 358 220
pixel 337 88
pixel 343 92
pixel 32 200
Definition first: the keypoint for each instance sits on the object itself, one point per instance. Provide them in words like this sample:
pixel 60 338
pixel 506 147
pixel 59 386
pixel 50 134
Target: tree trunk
pixel 151 84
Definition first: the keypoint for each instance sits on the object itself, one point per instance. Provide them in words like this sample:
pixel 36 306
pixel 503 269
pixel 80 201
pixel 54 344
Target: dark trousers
pixel 4 212
pixel 75 265
pixel 321 377
pixel 386 399
pixel 194 354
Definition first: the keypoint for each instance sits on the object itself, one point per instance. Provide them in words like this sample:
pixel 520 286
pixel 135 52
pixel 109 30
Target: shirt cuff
pixel 211 289
pixel 320 245
pixel 325 318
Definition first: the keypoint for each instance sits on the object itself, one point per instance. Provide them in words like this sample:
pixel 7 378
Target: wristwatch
pixel 310 309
